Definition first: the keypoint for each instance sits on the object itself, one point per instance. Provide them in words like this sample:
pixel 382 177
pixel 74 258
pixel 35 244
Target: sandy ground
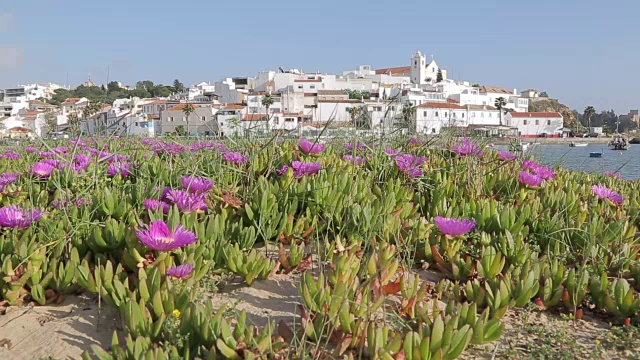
pixel 62 331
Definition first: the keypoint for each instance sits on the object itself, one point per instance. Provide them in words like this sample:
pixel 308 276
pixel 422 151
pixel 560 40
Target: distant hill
pixel 546 105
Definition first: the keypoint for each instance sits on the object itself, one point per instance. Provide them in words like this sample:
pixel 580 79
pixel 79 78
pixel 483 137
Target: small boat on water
pixel 594 154
pixel 519 145
pixel 574 144
pixel 618 143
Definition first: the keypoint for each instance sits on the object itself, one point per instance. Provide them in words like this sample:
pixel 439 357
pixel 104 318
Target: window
pixel 299 86
pixel 454 115
pixel 473 114
pixel 548 122
pixel 393 108
pixel 446 114
pixel 433 130
pixel 170 118
pixel 436 114
pixel 490 115
pixel 204 119
pixel 537 122
pixel 312 86
pixel 415 62
pixel 524 122
pixel 424 114
pixel 184 118
pixel 137 124
pixel 463 115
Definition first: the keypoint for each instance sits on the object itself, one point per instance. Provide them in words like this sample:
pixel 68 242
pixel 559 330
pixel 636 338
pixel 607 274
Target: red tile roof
pixel 71 101
pixel 394 71
pixel 234 107
pixel 255 117
pixel 3 118
pixel 536 115
pixel 439 105
pixel 181 106
pixel 20 129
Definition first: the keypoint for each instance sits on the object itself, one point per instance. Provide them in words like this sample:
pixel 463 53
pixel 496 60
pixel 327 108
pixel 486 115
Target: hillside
pixel 545 105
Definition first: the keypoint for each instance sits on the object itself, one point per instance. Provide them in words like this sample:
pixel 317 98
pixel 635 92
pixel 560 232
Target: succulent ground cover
pixel 394 250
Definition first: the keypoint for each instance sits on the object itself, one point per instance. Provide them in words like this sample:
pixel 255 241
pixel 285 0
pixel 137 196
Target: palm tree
pixel 500 103
pixel 188 109
pixel 267 101
pixel 589 111
pixel 409 115
pixel 354 113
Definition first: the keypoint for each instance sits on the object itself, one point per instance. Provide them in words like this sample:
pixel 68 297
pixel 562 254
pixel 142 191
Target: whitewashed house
pixel 535 124
pixel 432 117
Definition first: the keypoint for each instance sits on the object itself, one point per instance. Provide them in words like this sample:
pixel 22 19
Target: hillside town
pixel 418 97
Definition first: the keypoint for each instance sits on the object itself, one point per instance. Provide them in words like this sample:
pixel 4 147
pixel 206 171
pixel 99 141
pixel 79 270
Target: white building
pixel 432 117
pixel 425 72
pixel 534 124
pixel 514 101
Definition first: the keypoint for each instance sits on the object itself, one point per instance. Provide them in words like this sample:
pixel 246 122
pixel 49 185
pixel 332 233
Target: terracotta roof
pixel 153 116
pixel 40 103
pixel 234 107
pixel 157 102
pixel 536 115
pixel 494 89
pixel 332 92
pixel 29 118
pixel 394 71
pixel 31 112
pixel 3 118
pixel 310 94
pixel 179 107
pixel 20 129
pixel 255 117
pixel 440 105
pixel 71 101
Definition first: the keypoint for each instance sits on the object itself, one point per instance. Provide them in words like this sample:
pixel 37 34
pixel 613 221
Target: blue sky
pixel 583 52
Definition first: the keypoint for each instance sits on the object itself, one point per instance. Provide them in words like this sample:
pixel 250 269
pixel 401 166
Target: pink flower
pixel 453 226
pixel 311 148
pixel 605 193
pixel 529 179
pixel 506 156
pixel 181 272
pixel 158 237
pixel 17 217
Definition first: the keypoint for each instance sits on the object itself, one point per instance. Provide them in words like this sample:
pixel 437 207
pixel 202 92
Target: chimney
pixel 515 91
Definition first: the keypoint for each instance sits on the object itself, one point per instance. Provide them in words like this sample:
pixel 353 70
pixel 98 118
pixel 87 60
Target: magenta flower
pixel 119 168
pixel 82 158
pixel 30 149
pixel 414 141
pixel 391 152
pixel 310 148
pixel 158 237
pixel 60 149
pixel 543 172
pixel 614 174
pixel 605 193
pixel 196 185
pixel 357 159
pixel 530 179
pixel 453 226
pixel 17 217
pixel 467 148
pixel 186 201
pixel 358 146
pixel 528 164
pixel 11 155
pixel 410 164
pixel 301 169
pixel 181 272
pixel 42 170
pixel 64 203
pixel 235 158
pixel 8 178
pixel 155 205
pixel 506 156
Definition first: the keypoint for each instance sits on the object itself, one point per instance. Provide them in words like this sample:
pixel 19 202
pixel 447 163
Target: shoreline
pixel 552 141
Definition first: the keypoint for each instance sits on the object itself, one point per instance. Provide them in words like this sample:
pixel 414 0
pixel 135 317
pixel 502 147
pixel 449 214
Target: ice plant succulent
pixel 196 185
pixel 506 156
pixel 358 147
pixel 311 148
pixel 159 237
pixel 42 170
pixel 354 159
pixel 119 168
pixel 453 226
pixel 155 205
pixel 235 158
pixel 614 174
pixel 606 193
pixel 467 148
pixel 8 179
pixel 529 179
pixel 181 271
pixel 186 201
pixel 17 217
pixel 410 164
pixel 301 169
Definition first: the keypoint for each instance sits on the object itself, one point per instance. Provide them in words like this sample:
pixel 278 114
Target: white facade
pixel 534 124
pixel 431 118
pixel 335 110
pixel 425 72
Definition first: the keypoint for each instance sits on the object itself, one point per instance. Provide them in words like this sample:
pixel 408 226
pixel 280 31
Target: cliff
pixel 548 105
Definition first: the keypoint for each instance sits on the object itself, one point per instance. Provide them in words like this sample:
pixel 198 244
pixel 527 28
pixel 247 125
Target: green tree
pixel 178 86
pixel 161 91
pixel 499 104
pixel 267 101
pixel 439 78
pixel 544 94
pixel 180 130
pixel 73 122
pixel 188 109
pixel 113 86
pixel 589 111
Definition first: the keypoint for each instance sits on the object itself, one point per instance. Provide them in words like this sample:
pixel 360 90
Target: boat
pixel 618 142
pixel 574 144
pixel 594 154
pixel 634 141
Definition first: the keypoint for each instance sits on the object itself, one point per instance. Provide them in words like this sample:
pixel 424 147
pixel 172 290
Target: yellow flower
pixel 176 313
pixel 597 342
